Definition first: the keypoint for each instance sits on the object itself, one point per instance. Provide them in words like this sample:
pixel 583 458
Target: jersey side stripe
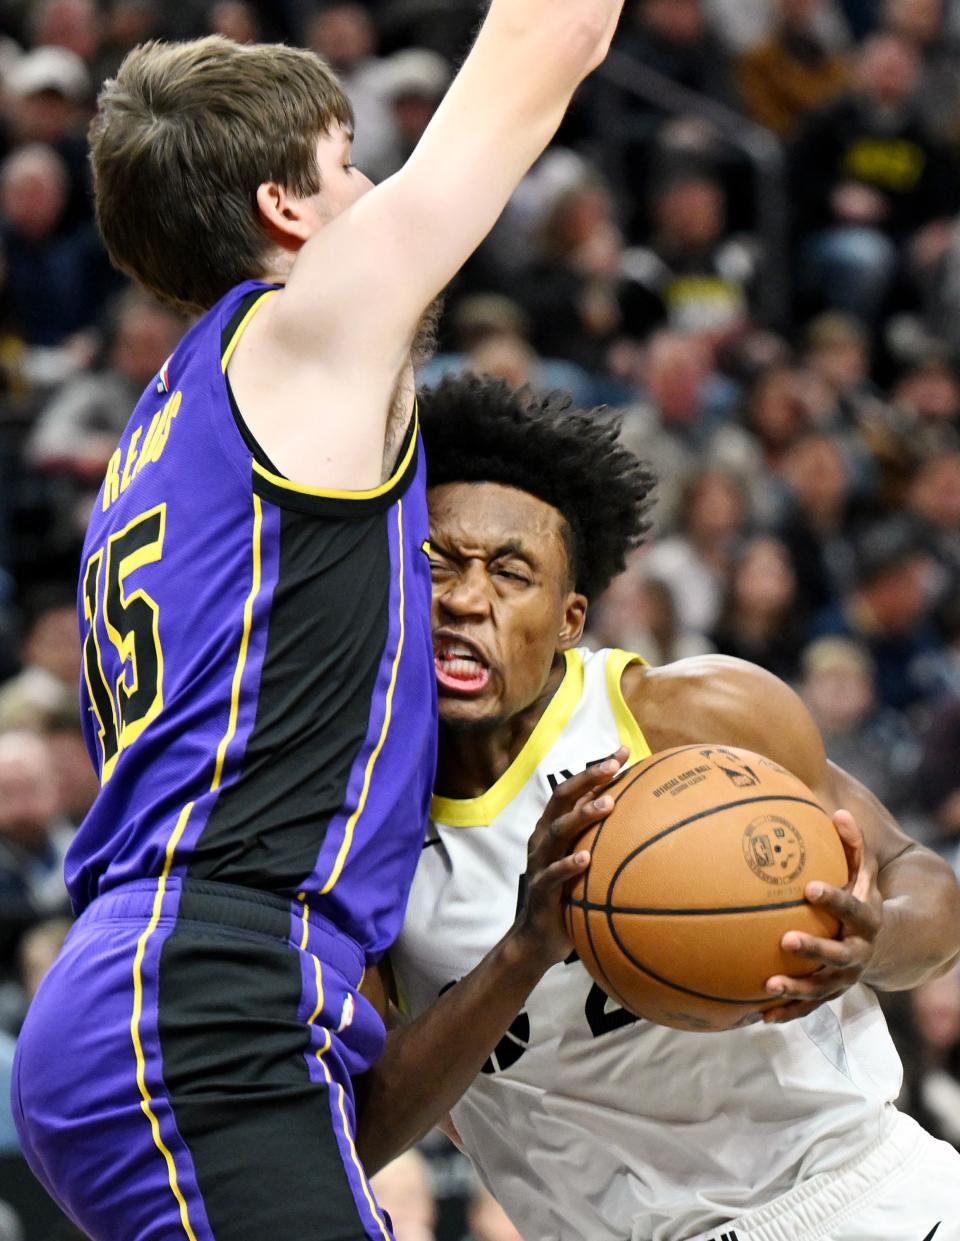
pixel 244 646
pixel 174 840
pixel 146 1099
pixel 351 823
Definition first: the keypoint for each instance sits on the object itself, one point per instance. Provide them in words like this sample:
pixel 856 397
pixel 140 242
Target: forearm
pixel 429 1063
pixel 920 935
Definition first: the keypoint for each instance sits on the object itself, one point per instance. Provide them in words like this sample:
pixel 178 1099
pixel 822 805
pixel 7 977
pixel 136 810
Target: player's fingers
pixel 836 952
pixel 790 1012
pixel 818 986
pixel 568 793
pixel 560 873
pixel 852 840
pixel 857 917
pixel 570 825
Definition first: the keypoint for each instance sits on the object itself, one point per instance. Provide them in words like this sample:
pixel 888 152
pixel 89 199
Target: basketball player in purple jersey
pixel 258 682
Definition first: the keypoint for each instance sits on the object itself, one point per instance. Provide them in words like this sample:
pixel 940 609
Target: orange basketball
pixel 694 877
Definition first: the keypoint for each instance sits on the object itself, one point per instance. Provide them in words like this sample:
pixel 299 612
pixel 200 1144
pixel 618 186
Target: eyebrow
pixel 512 548
pixel 503 552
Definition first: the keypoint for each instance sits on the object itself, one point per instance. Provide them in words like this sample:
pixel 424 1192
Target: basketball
pixel 695 876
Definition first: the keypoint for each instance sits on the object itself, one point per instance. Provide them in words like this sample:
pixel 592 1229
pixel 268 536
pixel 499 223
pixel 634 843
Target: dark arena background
pixel 744 245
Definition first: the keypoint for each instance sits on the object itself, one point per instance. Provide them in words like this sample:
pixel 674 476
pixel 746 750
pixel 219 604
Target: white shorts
pixel 904 1188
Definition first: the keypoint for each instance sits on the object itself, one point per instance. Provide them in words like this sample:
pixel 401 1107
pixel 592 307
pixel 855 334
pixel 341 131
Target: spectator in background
pixel 813 522
pixel 344 34
pixel 761 619
pixel 793 71
pixel 674 422
pixel 889 611
pixel 921 417
pixel 743 24
pixel 868 178
pixel 77 431
pixel 486 328
pixel 56 283
pixel 50 662
pixel 403 1190
pixel 236 20
pixel 73 773
pixel 411 82
pixel 73 24
pixel 638 613
pixel 691 277
pixel 33 842
pixel 837 352
pixel 573 290
pixel 695 561
pixel 777 410
pixel 920 23
pixel 936 789
pixel 125 24
pixel 869 740
pixel 49 92
pixel 673 38
pixel 933 499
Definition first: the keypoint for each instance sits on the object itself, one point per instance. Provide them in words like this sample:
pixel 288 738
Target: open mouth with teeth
pixel 459 667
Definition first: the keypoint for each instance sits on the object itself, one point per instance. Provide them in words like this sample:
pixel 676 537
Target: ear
pixel 574 621
pixel 289 221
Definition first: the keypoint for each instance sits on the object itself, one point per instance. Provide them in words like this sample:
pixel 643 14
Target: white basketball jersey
pixel 590 1125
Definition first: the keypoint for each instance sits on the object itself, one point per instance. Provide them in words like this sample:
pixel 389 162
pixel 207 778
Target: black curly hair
pixel 480 430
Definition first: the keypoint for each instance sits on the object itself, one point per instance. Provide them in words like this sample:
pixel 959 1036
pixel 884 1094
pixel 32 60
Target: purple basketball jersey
pixel 258 689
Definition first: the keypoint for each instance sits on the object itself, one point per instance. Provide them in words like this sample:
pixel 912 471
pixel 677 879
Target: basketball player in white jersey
pixel 586 1123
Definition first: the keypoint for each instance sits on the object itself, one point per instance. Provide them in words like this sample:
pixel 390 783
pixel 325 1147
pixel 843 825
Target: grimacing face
pixel 503 604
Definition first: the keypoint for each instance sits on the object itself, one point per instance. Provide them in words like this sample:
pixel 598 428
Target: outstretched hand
pixel 841 962
pixel 573 808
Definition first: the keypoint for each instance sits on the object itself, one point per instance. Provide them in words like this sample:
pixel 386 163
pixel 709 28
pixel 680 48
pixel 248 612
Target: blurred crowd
pixel 744 245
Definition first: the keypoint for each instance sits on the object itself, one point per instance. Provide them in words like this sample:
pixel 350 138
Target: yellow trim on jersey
pixel 329 493
pixel 145 1097
pixel 321 1052
pixel 244 645
pixel 387 716
pixel 481 811
pixel 242 327
pixel 631 734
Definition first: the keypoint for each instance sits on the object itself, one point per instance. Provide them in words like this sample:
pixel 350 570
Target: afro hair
pixel 480 430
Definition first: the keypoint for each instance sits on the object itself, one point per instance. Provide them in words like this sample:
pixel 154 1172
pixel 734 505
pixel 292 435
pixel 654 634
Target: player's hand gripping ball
pixel 695 876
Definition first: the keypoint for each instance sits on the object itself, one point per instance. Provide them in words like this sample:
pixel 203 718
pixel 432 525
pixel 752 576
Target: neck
pixel 470 761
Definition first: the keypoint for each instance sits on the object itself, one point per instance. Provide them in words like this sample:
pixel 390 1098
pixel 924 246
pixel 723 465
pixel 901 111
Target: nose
pixel 466 596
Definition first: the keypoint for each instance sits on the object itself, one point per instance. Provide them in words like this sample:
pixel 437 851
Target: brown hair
pixel 183 137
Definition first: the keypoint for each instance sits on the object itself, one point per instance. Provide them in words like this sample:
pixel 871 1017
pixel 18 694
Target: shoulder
pixel 726 701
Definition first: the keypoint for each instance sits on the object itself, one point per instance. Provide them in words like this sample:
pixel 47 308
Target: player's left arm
pixel 900 911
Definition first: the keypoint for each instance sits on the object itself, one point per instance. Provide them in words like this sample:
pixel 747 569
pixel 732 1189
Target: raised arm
pixel 323 361
pixel 900 912
pixel 390 254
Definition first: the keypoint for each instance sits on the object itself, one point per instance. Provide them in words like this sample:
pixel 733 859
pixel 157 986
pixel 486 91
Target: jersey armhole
pixel 629 731
pixel 268 481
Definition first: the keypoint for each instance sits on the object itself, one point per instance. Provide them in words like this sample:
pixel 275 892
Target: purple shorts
pixel 184 1070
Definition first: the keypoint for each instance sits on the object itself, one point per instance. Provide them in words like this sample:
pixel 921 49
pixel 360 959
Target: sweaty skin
pixel 504 611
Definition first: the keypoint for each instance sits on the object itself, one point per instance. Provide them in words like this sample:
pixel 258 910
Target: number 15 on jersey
pixel 126 689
